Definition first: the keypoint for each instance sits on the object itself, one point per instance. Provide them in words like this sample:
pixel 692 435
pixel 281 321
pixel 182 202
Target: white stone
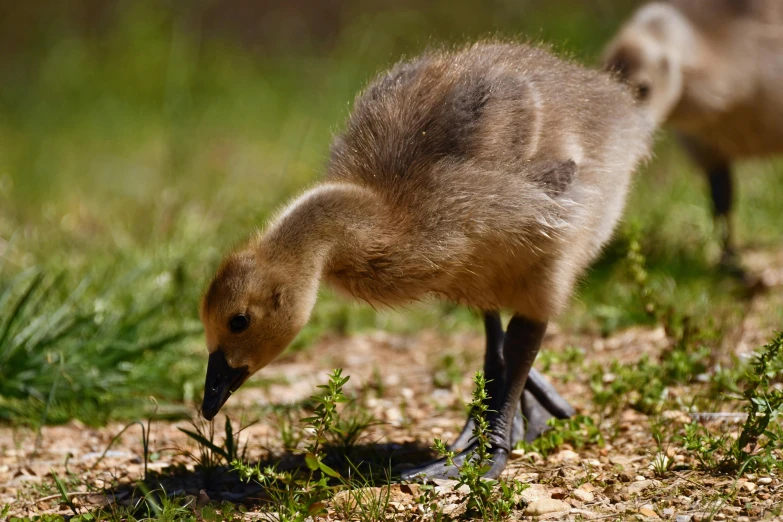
pixel 620 460
pixel 517 454
pixel 634 488
pixel 564 457
pixel 534 493
pixel 545 506
pixel 583 496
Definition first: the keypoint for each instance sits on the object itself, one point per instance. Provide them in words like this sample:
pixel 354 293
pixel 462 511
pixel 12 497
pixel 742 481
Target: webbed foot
pixel 730 265
pixel 540 402
pixel 440 469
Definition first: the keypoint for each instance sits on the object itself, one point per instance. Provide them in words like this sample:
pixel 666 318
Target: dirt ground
pixel 613 482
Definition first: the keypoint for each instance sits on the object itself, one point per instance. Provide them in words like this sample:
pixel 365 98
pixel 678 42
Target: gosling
pixel 489 176
pixel 712 69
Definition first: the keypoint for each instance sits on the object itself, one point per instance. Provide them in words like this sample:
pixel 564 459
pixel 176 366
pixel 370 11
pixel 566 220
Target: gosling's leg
pixel 722 192
pixel 494 373
pixel 718 171
pixel 520 347
pixel 539 403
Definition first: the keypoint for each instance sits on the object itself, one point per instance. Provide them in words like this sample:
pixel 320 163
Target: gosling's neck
pixel 339 232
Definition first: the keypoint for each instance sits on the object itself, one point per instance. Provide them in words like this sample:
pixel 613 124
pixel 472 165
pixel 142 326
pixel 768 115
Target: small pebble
pixel 582 495
pixel 683 518
pixel 639 478
pixel 765 480
pixel 563 457
pixel 545 506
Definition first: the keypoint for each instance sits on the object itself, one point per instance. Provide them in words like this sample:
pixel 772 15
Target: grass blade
pixel 205 442
pixel 63 492
pixel 16 312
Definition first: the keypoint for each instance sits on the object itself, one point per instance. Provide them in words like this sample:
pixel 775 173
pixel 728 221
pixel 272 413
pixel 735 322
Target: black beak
pixel 222 381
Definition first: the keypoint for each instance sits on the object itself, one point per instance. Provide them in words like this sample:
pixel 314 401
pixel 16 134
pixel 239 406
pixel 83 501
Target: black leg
pixel 540 402
pixel 494 373
pixel 722 192
pixel 520 348
pixel 523 340
pixel 718 171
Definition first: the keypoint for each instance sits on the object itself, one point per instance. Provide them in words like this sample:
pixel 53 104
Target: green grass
pixel 131 160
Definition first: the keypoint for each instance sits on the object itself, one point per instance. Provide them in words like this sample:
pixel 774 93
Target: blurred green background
pixel 141 139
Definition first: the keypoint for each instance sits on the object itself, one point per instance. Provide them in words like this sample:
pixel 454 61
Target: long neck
pixel 328 228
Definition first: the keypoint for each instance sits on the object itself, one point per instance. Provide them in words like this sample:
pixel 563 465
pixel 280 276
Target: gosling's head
pixel 647 56
pixel 251 312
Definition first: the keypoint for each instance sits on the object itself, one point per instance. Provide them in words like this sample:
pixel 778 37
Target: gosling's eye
pixel 239 323
pixel 642 91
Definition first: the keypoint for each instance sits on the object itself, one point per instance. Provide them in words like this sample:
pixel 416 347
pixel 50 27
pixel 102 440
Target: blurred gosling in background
pixel 712 70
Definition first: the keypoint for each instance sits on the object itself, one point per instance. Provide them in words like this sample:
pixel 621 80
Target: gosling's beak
pixel 222 381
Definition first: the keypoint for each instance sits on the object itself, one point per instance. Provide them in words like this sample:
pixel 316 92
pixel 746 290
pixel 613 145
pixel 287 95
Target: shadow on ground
pixel 376 464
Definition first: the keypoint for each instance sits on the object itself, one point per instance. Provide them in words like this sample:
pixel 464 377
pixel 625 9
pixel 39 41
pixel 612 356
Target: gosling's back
pixel 506 167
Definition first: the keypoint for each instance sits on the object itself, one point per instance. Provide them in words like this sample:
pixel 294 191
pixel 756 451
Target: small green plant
pixel 429 504
pixel 578 431
pixel 145 438
pixel 761 436
pixel 225 512
pixel 644 384
pixel 572 357
pixel 298 498
pixel 322 421
pixel 348 427
pixel 290 434
pixel 660 464
pixel 759 445
pixel 64 493
pixel 636 264
pixel 212 455
pixel 360 501
pixel 489 499
pixel 703 445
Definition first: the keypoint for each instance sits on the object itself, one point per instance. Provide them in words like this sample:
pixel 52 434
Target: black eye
pixel 239 323
pixel 642 91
